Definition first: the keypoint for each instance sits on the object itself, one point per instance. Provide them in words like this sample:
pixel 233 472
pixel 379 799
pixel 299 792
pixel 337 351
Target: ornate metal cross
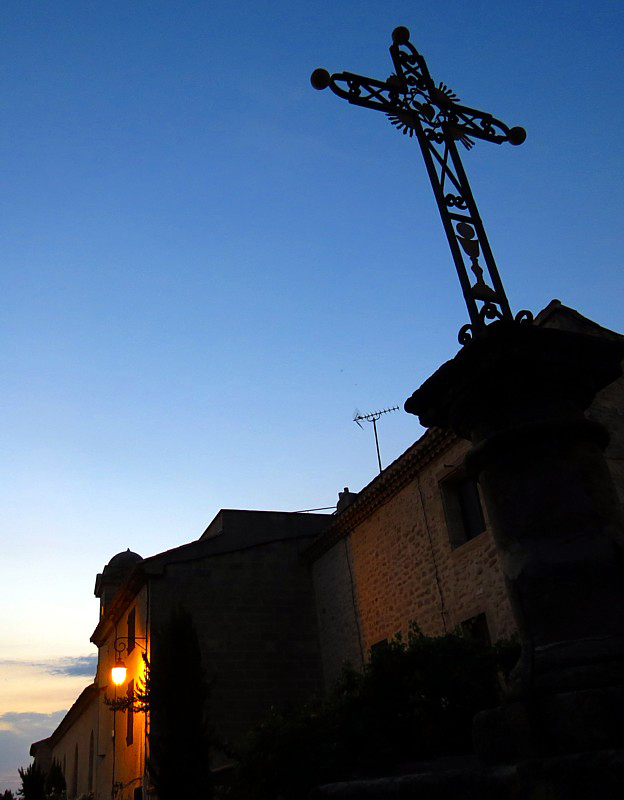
pixel 416 106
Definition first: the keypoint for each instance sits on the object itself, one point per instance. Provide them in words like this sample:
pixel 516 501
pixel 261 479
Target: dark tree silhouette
pixel 55 780
pixel 33 783
pixel 176 692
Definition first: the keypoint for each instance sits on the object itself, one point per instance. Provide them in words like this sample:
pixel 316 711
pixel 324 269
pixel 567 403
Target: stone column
pixel 518 393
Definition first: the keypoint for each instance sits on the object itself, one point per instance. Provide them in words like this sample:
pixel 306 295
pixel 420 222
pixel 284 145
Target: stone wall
pixel 253 609
pixel 337 610
pixel 70 745
pixel 402 568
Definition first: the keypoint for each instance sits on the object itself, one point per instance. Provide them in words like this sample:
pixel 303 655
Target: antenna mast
pixel 373 417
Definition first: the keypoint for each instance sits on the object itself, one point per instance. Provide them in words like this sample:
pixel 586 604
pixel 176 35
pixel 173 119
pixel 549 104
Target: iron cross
pixel 417 107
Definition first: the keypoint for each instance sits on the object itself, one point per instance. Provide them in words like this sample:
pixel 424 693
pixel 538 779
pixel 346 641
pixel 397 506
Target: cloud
pixel 25 723
pixel 43 684
pixel 17 732
pixel 78 665
pixel 72 666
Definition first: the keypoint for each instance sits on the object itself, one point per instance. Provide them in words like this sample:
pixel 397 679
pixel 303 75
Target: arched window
pixel 75 774
pixel 91 758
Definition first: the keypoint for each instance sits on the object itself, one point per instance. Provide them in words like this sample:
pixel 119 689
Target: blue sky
pixel 207 266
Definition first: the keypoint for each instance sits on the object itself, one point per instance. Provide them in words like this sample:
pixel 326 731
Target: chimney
pixel 345 498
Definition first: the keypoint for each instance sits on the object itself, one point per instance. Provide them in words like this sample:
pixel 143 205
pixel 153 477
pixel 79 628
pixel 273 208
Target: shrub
pixel 414 700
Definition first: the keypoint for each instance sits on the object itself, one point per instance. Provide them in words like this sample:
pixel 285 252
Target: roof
pixel 385 485
pixel 243 529
pixel 123 560
pixel 556 315
pixel 85 698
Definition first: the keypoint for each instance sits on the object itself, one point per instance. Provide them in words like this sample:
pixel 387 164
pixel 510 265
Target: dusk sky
pixel 207 267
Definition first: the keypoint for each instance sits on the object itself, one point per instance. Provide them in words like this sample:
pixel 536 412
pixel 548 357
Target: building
pixel 281 600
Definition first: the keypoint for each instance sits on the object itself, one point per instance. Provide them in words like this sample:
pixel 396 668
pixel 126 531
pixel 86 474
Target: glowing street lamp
pixel 118 672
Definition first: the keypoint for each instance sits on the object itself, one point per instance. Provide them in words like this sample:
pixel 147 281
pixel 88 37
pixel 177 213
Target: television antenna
pixel 373 417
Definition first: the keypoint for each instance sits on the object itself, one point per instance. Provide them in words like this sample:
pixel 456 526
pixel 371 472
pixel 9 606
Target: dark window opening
pixel 379 646
pixel 131 630
pixel 75 773
pixel 130 715
pixel 91 759
pixel 462 508
pixel 476 628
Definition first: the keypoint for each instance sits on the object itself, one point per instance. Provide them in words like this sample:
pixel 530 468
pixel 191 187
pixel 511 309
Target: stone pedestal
pixel 518 393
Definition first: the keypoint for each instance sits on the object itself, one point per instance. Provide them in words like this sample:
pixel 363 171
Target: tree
pixel 8 795
pixel 33 783
pixel 174 693
pixel 55 780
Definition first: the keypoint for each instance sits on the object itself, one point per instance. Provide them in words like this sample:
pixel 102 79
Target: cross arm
pixel 415 105
pixel 357 89
pixel 480 125
pixel 440 106
pixel 398 95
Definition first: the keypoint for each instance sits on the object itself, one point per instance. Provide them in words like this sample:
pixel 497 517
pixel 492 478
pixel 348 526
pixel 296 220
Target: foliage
pixel 177 692
pixel 174 692
pixel 8 795
pixel 137 700
pixel 412 701
pixel 33 783
pixel 55 780
pixel 39 785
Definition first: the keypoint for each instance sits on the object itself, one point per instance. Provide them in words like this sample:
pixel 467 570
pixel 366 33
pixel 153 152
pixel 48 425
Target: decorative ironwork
pixel 122 644
pixel 417 107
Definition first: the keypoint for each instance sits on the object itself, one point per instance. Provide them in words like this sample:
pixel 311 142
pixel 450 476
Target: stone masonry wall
pixel 253 609
pixel 337 611
pixel 405 570
pixel 71 750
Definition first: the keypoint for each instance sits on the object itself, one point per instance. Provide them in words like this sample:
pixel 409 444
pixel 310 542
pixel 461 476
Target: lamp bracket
pixel 121 643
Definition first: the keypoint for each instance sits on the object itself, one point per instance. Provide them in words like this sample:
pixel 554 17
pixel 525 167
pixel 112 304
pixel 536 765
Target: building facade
pixel 281 601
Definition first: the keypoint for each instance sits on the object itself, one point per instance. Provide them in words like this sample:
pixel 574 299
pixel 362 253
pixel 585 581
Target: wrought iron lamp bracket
pixel 417 107
pixel 121 644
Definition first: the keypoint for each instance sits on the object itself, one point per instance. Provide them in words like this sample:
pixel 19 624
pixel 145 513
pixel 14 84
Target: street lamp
pixel 119 671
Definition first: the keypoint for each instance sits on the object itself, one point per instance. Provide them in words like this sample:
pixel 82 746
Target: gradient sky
pixel 207 267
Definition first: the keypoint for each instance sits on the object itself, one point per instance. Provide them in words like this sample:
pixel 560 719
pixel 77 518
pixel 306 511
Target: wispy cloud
pixel 29 723
pixel 70 665
pixel 78 665
pixel 17 731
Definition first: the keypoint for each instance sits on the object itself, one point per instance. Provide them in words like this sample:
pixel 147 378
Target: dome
pixel 123 560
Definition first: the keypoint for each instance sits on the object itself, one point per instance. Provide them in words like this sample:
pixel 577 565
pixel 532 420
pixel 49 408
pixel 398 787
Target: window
pixel 91 758
pixel 75 773
pixel 131 630
pixel 130 715
pixel 476 628
pixel 379 647
pixel 462 508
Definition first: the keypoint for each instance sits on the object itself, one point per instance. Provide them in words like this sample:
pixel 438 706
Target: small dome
pixel 123 560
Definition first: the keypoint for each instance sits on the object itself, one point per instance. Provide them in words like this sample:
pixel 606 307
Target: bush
pixel 412 701
pixel 33 783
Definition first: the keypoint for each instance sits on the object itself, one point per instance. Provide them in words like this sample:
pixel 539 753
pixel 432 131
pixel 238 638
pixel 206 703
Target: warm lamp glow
pixel 119 673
